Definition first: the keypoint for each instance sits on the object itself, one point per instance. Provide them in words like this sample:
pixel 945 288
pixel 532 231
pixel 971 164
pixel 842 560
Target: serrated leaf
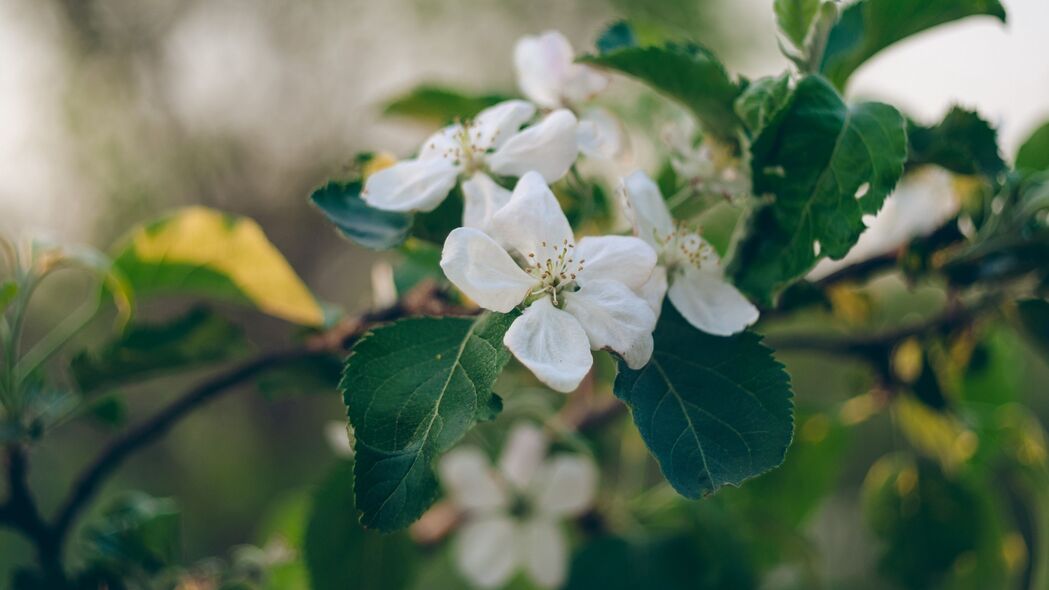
pixel 438 105
pixel 794 18
pixel 714 411
pixel 869 26
pixel 963 143
pixel 1034 153
pixel 825 166
pixel 762 100
pixel 372 228
pixel 413 389
pixel 687 73
pixel 205 252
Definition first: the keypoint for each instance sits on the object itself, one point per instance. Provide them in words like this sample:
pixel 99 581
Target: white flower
pixel 705 167
pixel 513 513
pixel 493 141
pixel 548 76
pixel 924 200
pixel 578 296
pixel 688 264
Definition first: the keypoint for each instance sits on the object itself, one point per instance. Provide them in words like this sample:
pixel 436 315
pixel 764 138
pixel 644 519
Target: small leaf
pixel 762 100
pixel 963 143
pixel 714 411
pixel 794 18
pixel 869 26
pixel 205 252
pixel 687 73
pixel 413 389
pixel 825 165
pixel 314 375
pixel 136 533
pixel 438 106
pixel 8 292
pixel 1034 153
pixel 372 228
pixel 619 35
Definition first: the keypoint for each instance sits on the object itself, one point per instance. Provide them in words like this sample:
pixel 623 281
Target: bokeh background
pixel 112 111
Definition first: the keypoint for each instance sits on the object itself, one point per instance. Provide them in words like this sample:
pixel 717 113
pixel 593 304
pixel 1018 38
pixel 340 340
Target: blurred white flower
pixel 706 168
pixel 548 76
pixel 491 141
pixel 688 264
pixel 578 296
pixel 339 437
pixel 513 513
pixel 924 200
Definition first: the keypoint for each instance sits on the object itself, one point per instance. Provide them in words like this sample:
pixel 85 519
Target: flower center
pixel 555 267
pixel 684 247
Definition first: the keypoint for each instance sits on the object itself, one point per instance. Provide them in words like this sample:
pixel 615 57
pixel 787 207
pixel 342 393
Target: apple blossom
pixel 577 296
pixel 689 271
pixel 513 513
pixel 705 167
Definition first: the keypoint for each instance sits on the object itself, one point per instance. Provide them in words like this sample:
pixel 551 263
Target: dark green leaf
pixel 762 100
pixel 618 35
pixel 794 18
pixel 339 554
pixel 142 350
pixel 413 389
pixel 109 411
pixel 308 376
pixel 687 73
pixel 1034 153
pixel 1033 320
pixel 438 106
pixel 136 533
pixel 825 166
pixel 714 411
pixel 963 143
pixel 421 261
pixel 868 26
pixel 372 228
pixel 434 226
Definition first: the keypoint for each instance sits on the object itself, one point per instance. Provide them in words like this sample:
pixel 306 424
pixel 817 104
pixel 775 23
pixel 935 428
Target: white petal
pixel 468 477
pixel 493 126
pixel 523 452
pixel 442 143
pixel 655 289
pixel 601 135
pixel 411 185
pixel 565 485
pixel 552 344
pixel 625 259
pixel 614 317
pixel 532 216
pixel 482 270
pixel 710 303
pixel 645 207
pixel 549 148
pixel 487 551
pixel 482 197
pixel 545 552
pixel 583 83
pixel 542 63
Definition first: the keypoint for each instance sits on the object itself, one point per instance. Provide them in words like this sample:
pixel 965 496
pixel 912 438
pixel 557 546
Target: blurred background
pixel 112 111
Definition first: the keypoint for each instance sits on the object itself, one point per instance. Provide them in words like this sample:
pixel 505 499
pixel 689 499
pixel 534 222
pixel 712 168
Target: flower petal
pixel 482 198
pixel 548 147
pixel 487 551
pixel 552 344
pixel 544 552
pixel 646 209
pixel 532 216
pixel 654 290
pixel 625 259
pixel 615 318
pixel 565 485
pixel 542 64
pixel 468 477
pixel 710 303
pixel 482 270
pixel 442 144
pixel 411 185
pixel 523 452
pixel 601 135
pixel 493 126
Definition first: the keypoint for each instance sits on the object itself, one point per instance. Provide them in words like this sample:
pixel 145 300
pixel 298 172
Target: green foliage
pixel 1034 153
pixel 311 375
pixel 372 228
pixel 762 99
pixel 1033 320
pixel 413 389
pixel 145 350
pixel 438 105
pixel 619 35
pixel 825 166
pixel 687 73
pixel 795 17
pixel 339 554
pixel 137 533
pixel 868 26
pixel 713 410
pixel 8 291
pixel 963 143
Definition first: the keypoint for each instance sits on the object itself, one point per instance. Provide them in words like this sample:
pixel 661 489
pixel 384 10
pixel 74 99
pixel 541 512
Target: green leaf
pixel 1034 153
pixel 762 100
pixel 963 143
pixel 687 73
pixel 339 554
pixel 794 18
pixel 714 411
pixel 205 252
pixel 144 350
pixel 825 166
pixel 136 532
pixel 314 375
pixel 1033 321
pixel 372 228
pixel 413 389
pixel 438 105
pixel 8 291
pixel 869 26
pixel 619 35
